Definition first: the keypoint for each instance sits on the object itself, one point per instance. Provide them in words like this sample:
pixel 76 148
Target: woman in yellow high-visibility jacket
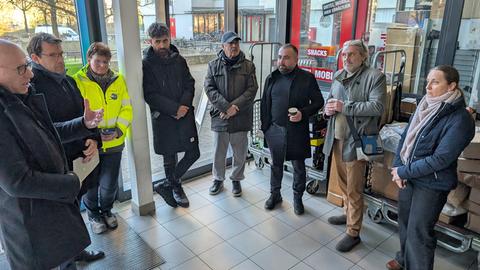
pixel 108 90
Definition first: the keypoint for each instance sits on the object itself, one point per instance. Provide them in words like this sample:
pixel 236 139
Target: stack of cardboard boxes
pixel 469 174
pixel 409 40
pixel 381 178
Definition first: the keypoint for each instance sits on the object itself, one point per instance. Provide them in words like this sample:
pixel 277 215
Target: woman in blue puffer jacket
pixel 425 166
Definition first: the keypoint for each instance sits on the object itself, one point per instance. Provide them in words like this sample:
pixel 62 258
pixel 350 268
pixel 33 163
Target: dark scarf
pixel 230 61
pixel 102 80
pixel 58 77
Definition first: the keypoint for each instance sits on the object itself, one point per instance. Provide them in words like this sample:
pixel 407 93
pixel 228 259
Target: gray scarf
pixel 426 109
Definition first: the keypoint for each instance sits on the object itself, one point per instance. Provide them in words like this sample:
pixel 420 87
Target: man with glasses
pixel 40 222
pixel 231 86
pixel 64 102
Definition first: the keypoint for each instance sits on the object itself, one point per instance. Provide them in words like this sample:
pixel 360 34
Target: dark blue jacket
pixel 433 161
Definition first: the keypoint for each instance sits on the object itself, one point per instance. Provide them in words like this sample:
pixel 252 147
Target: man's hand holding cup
pixel 333 106
pixel 294 114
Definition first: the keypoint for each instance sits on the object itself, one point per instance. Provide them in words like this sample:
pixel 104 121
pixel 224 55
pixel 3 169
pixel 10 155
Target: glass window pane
pixel 468 52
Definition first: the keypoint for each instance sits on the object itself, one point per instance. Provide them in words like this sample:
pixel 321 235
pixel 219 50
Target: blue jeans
pixel 100 197
pixel 418 211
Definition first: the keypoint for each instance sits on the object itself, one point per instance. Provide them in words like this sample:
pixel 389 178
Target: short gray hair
pixel 359 44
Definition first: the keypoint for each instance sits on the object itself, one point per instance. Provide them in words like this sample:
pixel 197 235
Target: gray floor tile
pixel 273 229
pixel 356 267
pixel 281 207
pixel 320 231
pixel 325 259
pixel 193 264
pixel 222 256
pixel 301 266
pixel 197 201
pixel 167 213
pixel 254 194
pixel 232 204
pixel 249 242
pixel 446 260
pixel 299 245
pixel 251 215
pixel 274 258
pixel 228 227
pixel 317 206
pixel 375 260
pixel 208 214
pixel 141 223
pixel 247 265
pixel 372 235
pixel 174 254
pixel 295 220
pixel 256 177
pixel 157 236
pixel 214 198
pixel 182 225
pixel 201 240
pixel 390 246
pixel 125 214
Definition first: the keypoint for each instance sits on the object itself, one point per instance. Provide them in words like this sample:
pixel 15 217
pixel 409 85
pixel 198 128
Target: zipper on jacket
pixel 420 134
pixel 435 173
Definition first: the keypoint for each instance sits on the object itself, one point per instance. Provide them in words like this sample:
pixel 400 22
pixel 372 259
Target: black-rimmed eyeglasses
pixel 23 68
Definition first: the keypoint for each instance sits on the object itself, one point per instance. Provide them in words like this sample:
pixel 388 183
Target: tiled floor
pixel 224 232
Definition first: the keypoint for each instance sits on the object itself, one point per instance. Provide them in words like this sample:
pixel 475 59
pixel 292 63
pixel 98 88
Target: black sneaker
pixel 180 197
pixel 338 220
pixel 347 243
pixel 216 187
pixel 237 189
pixel 298 205
pixel 274 199
pixel 165 190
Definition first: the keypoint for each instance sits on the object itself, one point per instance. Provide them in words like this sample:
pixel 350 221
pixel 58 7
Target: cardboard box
pixel 449 220
pixel 458 195
pixel 474 195
pixel 408 105
pixel 473 222
pixel 381 178
pixel 471 9
pixel 407 39
pixel 468 165
pixel 472 151
pixel 438 8
pixel 469 179
pixel 472 207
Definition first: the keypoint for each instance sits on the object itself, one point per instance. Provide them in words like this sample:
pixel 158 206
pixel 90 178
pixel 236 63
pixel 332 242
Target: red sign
pixel 317 53
pixel 321 74
pixel 173 28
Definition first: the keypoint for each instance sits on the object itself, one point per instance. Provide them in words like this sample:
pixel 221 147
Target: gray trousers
pixel 239 144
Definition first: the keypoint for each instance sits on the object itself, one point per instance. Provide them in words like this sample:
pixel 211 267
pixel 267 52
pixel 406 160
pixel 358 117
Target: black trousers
pixel 174 169
pixel 277 143
pixel 418 211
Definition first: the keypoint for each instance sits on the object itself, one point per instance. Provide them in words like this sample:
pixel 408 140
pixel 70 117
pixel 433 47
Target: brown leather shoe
pixel 394 265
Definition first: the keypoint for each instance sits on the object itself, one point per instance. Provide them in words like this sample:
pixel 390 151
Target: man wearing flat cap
pixel 231 86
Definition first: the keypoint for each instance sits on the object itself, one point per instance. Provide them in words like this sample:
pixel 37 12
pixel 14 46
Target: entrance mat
pixel 123 247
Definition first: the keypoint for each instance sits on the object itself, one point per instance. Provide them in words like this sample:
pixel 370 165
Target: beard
pixel 284 69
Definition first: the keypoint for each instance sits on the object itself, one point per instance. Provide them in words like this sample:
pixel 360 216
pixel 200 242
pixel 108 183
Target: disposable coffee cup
pixel 292 111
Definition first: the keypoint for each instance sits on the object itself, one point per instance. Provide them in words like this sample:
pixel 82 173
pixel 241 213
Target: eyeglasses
pixel 100 62
pixel 23 68
pixel 53 55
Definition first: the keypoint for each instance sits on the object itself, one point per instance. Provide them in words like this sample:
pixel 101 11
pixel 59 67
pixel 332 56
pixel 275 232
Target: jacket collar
pixel 276 73
pixel 55 76
pixel 241 59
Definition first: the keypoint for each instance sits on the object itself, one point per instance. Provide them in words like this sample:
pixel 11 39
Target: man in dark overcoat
pixel 64 102
pixel 40 222
pixel 168 88
pixel 291 96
